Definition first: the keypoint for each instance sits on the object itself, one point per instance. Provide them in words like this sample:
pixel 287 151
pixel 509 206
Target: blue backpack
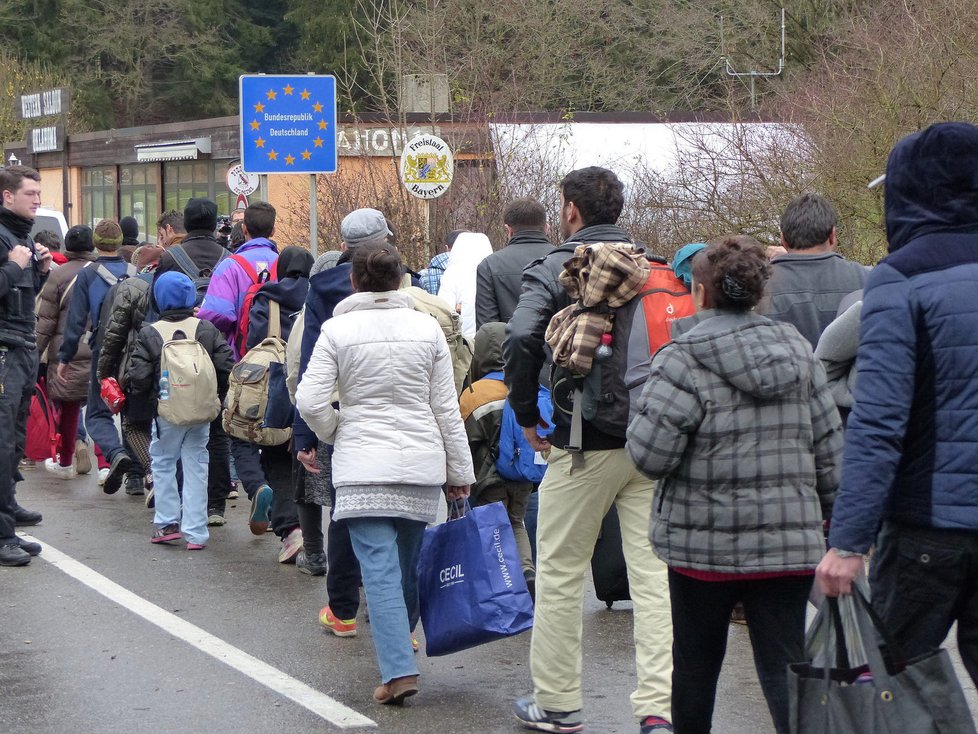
pixel 516 460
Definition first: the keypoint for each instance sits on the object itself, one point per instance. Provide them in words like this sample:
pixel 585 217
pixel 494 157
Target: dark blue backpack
pixel 516 460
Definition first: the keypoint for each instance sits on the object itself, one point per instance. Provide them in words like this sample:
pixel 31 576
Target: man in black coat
pixel 24 267
pixel 499 277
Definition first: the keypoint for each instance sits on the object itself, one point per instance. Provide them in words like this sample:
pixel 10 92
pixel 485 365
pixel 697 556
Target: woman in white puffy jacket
pixel 398 438
pixel 458 282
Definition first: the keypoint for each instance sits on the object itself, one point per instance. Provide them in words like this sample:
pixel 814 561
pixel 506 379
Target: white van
pixel 51 220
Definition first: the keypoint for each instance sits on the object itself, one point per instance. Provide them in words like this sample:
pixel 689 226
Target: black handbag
pixel 856 681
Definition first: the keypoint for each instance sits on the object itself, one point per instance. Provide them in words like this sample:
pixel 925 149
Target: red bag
pixel 42 426
pixel 112 395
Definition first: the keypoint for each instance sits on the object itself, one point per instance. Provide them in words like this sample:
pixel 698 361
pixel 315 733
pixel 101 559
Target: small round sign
pixel 427 166
pixel 241 182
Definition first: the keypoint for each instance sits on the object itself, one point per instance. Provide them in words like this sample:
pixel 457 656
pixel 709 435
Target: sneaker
pixel 312 564
pixel 339 627
pixel 31 549
pixel 150 500
pixel 11 554
pixel 737 615
pixel 24 517
pixel 414 643
pixel 652 724
pixel 61 472
pixel 83 459
pixel 233 494
pixel 103 474
pixel 195 546
pixel 533 717
pixel 291 545
pixel 261 507
pixel 27 464
pixel 215 520
pixel 166 535
pixel 135 485
pixel 113 480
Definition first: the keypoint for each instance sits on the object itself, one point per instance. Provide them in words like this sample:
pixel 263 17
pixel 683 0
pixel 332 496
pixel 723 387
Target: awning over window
pixel 176 150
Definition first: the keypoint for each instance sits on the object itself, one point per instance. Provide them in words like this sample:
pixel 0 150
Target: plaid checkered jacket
pixel 738 421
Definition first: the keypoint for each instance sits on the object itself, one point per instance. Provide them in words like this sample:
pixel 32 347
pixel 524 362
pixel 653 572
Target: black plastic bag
pixel 856 680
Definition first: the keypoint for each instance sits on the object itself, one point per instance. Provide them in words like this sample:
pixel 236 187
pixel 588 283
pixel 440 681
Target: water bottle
pixel 165 385
pixel 603 351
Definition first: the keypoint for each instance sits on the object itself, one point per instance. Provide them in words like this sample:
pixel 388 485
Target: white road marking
pixel 295 690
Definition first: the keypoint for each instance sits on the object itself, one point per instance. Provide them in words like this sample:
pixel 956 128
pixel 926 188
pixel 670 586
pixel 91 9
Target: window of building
pixel 98 194
pixel 185 180
pixel 139 198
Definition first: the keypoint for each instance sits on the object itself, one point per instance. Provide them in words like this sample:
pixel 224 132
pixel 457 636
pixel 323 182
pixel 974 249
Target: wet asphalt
pixel 72 660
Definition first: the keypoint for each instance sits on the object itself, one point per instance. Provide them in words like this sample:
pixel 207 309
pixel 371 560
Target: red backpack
pixel 244 317
pixel 42 426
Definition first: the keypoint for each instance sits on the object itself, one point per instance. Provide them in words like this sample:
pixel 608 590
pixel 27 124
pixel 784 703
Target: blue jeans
pixel 388 550
pixel 98 418
pixel 189 444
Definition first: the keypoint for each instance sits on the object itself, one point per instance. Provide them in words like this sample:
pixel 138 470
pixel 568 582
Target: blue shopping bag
pixel 470 582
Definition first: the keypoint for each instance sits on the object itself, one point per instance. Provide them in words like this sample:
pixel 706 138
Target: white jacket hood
pixel 458 281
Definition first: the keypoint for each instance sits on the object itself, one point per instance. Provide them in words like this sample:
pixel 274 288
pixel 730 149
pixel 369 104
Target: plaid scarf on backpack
pixel 601 276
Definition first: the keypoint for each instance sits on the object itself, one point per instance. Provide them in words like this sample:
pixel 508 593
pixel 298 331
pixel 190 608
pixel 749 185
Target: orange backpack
pixel 609 394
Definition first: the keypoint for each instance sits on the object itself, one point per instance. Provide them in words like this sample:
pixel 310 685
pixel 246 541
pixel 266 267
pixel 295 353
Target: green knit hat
pixel 107 236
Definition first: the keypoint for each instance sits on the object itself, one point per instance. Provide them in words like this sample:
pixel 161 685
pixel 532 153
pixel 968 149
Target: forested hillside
pixel 135 62
pixel 858 74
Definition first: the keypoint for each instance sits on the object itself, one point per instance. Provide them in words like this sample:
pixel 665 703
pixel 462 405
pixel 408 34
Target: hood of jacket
pixel 932 183
pixel 488 351
pixel 368 301
pixel 758 356
pixel 174 291
pixel 470 249
pixel 289 294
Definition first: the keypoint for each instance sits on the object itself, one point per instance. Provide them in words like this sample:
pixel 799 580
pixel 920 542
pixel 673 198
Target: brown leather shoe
pixel 394 692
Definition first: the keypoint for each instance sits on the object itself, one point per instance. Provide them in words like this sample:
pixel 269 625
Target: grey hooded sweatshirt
pixel 739 423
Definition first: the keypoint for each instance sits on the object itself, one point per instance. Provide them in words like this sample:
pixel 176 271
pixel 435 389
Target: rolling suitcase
pixel 608 568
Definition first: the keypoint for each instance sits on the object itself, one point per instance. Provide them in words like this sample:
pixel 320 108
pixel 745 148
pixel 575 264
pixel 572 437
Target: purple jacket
pixel 230 282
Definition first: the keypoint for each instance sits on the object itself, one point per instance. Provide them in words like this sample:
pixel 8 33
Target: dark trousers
pixel 219 469
pixel 248 464
pixel 98 418
pixel 276 465
pixel 18 375
pixel 775 612
pixel 343 569
pixel 923 580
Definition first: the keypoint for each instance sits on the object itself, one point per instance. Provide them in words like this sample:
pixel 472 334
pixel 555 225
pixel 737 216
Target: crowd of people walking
pixel 758 421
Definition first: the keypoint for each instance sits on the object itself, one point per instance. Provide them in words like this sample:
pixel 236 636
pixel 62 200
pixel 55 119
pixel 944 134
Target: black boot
pixel 13 555
pixel 24 517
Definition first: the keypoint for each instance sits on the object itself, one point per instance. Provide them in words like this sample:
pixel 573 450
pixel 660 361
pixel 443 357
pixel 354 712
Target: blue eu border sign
pixel 288 123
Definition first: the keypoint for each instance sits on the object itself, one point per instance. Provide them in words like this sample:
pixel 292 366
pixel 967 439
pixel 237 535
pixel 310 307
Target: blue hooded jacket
pixel 174 291
pixel 326 289
pixel 912 436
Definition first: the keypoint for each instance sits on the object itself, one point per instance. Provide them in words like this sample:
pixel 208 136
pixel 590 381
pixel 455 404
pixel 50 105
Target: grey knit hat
pixel 325 261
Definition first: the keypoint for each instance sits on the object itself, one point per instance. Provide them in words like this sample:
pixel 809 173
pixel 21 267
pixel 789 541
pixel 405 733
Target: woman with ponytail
pixel 738 422
pixel 397 438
